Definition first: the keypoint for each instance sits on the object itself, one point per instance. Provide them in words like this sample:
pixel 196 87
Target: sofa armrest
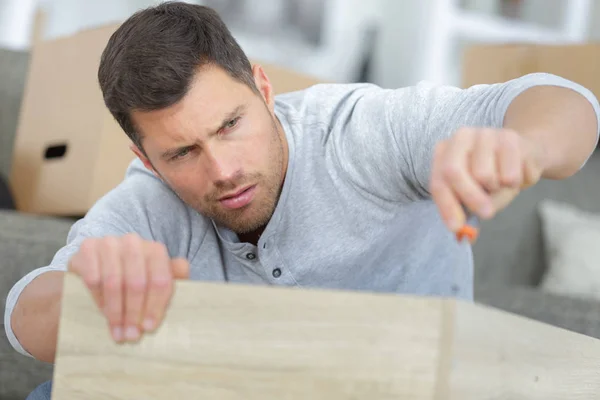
pixel 27 242
pixel 575 314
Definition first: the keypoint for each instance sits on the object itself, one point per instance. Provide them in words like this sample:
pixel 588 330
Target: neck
pixel 251 237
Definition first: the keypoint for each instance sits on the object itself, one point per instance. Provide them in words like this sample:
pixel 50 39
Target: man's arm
pixel 392 144
pixel 548 131
pixel 35 317
pixel 562 122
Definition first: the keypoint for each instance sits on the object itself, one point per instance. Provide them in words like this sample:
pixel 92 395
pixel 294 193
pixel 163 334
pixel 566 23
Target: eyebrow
pixel 228 117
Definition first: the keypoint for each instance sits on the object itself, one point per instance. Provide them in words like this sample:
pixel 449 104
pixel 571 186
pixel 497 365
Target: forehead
pixel 212 95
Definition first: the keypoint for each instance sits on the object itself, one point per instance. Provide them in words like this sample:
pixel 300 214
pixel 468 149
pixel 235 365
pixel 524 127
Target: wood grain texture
pixel 238 342
pixel 228 342
pixel 497 355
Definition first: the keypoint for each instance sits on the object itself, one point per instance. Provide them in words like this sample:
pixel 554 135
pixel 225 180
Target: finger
pixel 531 173
pixel 86 264
pixel 510 159
pixel 135 283
pixel 160 284
pixel 180 268
pixel 451 211
pixel 483 160
pixel 504 197
pixel 110 265
pixel 457 175
pixel 449 207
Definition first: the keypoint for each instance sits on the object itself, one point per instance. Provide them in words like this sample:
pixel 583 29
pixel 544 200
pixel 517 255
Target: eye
pixel 232 123
pixel 182 153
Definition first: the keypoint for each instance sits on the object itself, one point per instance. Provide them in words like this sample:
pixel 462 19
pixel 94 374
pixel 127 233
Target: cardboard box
pixel 498 63
pixel 69 151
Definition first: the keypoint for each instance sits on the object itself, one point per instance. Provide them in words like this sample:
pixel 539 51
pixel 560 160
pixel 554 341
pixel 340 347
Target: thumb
pixel 180 268
pixel 531 174
pixel 502 197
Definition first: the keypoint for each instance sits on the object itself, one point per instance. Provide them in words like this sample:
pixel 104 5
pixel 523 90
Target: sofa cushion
pixel 510 249
pixel 6 198
pixel 572 244
pixel 20 375
pixel 574 314
pixel 26 242
pixel 13 70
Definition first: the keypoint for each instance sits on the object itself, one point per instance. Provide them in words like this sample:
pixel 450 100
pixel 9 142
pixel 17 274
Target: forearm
pixel 561 121
pixel 36 315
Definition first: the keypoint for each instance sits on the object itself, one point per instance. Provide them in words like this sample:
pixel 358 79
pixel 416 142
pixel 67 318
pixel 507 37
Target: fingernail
pixel 132 333
pixel 148 324
pixel 454 225
pixel 117 333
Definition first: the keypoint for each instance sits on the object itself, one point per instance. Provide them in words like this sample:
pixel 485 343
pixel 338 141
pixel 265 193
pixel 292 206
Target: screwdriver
pixel 470 230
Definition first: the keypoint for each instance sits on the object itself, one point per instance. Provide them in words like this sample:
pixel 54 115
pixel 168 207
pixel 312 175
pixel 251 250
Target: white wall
pixel 408 51
pixel 594 31
pixel 16 23
pixel 402 37
pixel 337 59
pixel 65 17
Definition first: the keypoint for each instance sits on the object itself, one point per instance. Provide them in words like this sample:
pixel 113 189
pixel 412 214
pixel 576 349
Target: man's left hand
pixel 481 170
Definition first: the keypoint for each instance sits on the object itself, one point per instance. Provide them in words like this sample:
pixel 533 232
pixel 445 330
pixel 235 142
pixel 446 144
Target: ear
pixel 145 160
pixel 264 86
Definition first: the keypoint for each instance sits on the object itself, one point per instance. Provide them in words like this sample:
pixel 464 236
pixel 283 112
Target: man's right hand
pixel 131 280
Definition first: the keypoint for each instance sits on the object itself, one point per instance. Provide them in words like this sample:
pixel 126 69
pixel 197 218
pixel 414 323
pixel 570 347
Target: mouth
pixel 238 199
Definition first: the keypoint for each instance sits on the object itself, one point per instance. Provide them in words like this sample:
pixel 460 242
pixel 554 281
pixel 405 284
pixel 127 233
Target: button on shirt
pixel 354 211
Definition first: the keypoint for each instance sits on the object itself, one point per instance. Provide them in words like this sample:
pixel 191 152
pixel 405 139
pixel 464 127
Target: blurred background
pixel 388 42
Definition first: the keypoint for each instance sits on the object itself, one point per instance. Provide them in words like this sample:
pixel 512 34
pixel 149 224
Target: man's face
pixel 221 149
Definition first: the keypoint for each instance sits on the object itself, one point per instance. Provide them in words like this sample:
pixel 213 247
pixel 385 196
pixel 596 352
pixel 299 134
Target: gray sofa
pixel 509 256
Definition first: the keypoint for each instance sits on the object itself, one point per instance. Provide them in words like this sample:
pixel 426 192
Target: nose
pixel 221 164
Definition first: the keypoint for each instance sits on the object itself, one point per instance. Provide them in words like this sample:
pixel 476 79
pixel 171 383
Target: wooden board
pixel 222 341
pixel 498 355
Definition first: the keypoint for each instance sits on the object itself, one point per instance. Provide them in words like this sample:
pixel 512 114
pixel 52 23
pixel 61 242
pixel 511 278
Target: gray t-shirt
pixel 354 212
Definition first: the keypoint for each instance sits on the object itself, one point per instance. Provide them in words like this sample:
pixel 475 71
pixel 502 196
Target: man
pixel 337 186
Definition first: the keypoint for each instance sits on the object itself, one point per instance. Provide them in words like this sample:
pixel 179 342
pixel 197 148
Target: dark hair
pixel 152 58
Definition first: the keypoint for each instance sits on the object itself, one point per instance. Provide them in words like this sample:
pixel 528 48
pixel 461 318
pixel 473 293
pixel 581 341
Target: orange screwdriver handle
pixel 469 231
